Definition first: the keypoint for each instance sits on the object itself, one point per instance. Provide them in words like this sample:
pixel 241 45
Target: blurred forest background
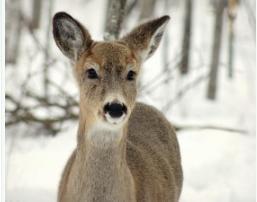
pixel 202 78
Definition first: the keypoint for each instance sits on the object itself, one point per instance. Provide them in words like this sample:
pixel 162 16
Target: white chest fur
pixel 104 135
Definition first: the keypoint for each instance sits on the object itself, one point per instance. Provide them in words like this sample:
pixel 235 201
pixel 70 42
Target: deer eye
pixel 91 74
pixel 131 75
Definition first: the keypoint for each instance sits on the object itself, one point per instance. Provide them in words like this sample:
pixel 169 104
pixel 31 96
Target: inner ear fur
pixel 145 38
pixel 70 36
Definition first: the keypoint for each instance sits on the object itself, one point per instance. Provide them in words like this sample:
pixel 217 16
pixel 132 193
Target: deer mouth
pixel 108 118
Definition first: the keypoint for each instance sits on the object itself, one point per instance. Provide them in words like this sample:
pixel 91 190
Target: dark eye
pixel 91 74
pixel 131 75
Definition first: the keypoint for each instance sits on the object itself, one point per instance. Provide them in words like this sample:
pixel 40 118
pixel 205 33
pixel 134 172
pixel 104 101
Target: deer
pixel 126 151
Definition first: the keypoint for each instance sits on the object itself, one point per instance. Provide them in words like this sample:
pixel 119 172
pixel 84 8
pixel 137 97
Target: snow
pixel 218 165
pixel 34 167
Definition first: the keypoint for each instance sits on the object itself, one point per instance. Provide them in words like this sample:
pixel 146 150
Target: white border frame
pixel 2 90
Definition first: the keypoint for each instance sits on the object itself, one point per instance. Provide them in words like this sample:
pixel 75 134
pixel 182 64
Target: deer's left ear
pixel 145 38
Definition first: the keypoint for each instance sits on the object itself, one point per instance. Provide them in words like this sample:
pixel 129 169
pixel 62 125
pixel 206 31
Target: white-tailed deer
pixel 126 151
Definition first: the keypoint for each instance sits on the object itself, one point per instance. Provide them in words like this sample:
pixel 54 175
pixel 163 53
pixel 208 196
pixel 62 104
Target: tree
pixel 146 8
pixel 165 53
pixel 114 18
pixel 215 58
pixel 232 4
pixel 36 13
pixel 47 47
pixel 13 30
pixel 187 38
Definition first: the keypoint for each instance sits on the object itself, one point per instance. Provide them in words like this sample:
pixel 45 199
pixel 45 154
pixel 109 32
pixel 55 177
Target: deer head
pixel 107 72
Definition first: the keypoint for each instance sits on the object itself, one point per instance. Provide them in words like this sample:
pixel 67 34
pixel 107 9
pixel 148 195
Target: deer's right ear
pixel 70 36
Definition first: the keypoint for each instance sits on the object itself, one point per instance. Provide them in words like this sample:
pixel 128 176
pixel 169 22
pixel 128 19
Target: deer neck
pixel 103 168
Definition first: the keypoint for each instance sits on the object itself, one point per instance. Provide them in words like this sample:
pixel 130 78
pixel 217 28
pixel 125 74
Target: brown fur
pixel 138 161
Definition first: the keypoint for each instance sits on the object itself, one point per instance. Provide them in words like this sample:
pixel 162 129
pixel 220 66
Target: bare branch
pixel 211 127
pixel 27 114
pixel 183 91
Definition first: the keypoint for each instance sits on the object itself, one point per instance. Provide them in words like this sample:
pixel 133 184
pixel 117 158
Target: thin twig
pixel 183 91
pixel 211 127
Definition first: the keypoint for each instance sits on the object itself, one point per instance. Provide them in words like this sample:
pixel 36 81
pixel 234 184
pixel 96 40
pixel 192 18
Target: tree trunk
pixel 231 49
pixel 232 4
pixel 131 5
pixel 184 68
pixel 146 11
pixel 166 43
pixel 146 8
pixel 212 85
pixel 114 18
pixel 36 13
pixel 13 30
pixel 47 48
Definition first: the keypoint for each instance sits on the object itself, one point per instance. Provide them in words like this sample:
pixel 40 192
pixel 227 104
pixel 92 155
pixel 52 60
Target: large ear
pixel 145 38
pixel 70 36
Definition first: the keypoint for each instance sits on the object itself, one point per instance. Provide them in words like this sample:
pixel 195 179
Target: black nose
pixel 115 109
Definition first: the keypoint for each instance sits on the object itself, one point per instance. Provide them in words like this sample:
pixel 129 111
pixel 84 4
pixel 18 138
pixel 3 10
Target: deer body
pixel 126 151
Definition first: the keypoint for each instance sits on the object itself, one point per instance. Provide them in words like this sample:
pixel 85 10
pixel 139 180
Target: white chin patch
pixel 114 121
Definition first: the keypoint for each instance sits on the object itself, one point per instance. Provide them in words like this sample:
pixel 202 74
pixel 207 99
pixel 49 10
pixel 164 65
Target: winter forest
pixel 202 77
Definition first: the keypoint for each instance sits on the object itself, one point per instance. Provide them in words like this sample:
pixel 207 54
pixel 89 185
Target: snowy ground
pixel 218 166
